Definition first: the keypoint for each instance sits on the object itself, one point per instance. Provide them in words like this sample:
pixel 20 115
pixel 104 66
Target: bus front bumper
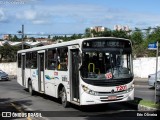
pixel 88 99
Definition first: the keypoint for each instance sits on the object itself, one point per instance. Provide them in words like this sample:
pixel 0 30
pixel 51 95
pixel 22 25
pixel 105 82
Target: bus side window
pixel 19 60
pixel 28 60
pixel 51 59
pixel 34 60
pixel 62 58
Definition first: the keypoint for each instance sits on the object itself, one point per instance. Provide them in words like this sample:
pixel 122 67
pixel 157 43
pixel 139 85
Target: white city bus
pixel 83 71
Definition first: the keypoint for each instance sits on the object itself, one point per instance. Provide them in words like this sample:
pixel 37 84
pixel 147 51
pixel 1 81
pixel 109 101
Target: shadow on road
pixel 5 80
pixel 95 108
pixel 13 104
pixel 152 88
pixel 134 103
pixel 45 96
pixel 9 106
pixel 90 108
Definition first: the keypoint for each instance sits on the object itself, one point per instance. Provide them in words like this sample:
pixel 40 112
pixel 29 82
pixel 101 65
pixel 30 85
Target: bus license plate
pixel 112 98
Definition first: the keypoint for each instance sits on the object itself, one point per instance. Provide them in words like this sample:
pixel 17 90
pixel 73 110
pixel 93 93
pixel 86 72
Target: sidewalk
pixel 140 79
pixel 143 82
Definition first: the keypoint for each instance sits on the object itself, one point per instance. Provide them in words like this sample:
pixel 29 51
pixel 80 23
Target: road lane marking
pixel 28 118
pixel 28 109
pixel 19 110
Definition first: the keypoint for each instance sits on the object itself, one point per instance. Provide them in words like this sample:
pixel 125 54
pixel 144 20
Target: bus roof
pixel 67 43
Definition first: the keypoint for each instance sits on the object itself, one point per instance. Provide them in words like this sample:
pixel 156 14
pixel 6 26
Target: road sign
pixel 152 46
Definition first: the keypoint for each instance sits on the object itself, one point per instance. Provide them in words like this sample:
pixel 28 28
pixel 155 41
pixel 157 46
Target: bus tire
pixel 30 89
pixel 64 101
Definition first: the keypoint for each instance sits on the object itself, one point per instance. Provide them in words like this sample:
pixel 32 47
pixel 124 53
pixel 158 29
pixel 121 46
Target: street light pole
pixel 22 37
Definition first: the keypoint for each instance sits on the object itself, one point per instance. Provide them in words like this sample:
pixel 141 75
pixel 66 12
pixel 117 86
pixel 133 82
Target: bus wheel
pixel 30 88
pixel 64 101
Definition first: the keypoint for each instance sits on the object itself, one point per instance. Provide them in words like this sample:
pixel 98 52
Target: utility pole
pixel 22 37
pixel 156 74
pixel 154 46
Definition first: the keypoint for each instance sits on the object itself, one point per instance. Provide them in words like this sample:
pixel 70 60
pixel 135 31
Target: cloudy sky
pixel 73 16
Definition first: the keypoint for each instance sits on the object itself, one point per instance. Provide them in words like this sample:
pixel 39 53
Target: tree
pixel 8 53
pixel 87 32
pixel 49 36
pixel 137 37
pixel 120 34
pixel 151 38
pixel 148 30
pixel 25 37
pixel 107 33
pixel 5 52
pixel 15 38
pixel 10 37
pixel 33 39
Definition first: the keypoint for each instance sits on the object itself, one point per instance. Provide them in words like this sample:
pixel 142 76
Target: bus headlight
pixel 130 89
pixel 89 91
pixel 85 88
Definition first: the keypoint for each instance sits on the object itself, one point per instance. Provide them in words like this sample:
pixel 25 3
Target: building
pixel 120 27
pixel 98 28
pixel 6 37
pixel 42 39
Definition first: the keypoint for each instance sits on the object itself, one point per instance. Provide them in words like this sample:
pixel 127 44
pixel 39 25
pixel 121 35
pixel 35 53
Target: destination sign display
pixel 106 44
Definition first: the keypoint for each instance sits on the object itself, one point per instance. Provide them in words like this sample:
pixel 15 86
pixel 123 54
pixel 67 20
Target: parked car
pixel 3 75
pixel 151 79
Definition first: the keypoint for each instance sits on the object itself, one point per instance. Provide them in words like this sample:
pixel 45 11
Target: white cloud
pixel 80 15
pixel 28 15
pixel 33 16
pixel 2 16
pixel 39 22
pixel 97 15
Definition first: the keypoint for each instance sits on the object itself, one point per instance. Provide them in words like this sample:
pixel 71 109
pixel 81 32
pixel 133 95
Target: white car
pixel 151 79
pixel 3 75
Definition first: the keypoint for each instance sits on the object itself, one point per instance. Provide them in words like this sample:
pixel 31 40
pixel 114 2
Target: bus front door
pixel 23 68
pixel 41 64
pixel 74 75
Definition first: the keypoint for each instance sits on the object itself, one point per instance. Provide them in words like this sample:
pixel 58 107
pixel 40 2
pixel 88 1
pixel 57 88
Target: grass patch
pixel 152 104
pixel 149 104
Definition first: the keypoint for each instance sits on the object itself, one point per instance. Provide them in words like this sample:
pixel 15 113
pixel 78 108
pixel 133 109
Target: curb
pixel 146 108
pixel 12 76
pixel 141 107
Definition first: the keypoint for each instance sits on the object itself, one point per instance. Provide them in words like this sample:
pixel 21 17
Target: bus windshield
pixel 109 63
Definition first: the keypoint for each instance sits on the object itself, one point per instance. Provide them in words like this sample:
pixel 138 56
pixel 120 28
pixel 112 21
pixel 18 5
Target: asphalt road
pixel 50 108
pixel 143 90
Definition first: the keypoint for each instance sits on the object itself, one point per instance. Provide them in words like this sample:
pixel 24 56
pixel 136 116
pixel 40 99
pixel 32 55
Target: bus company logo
pixel 34 74
pixel 64 78
pixel 47 77
pixel 112 91
pixel 55 73
pixel 108 75
pixel 6 114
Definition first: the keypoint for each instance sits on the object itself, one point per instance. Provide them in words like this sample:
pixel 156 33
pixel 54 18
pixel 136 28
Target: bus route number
pixel 121 87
